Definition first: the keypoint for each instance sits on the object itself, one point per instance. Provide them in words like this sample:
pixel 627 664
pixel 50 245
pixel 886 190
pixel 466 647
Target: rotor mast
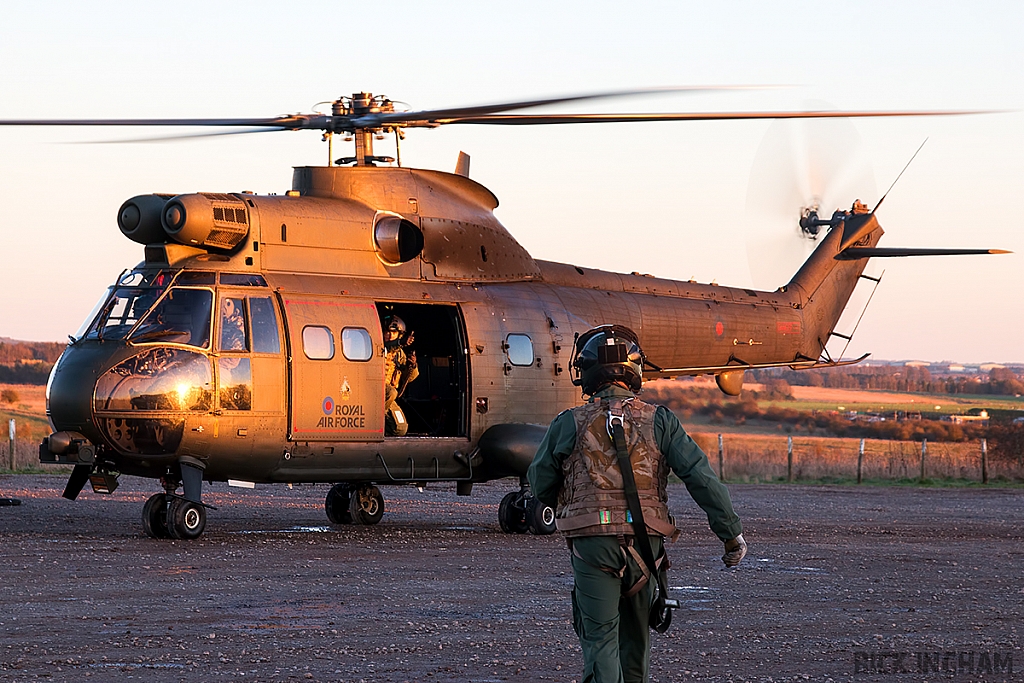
pixel 359 117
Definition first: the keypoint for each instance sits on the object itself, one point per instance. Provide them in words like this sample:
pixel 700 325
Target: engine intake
pixel 139 218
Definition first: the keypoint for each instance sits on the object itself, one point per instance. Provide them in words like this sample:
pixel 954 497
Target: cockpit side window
pixel 233 336
pixel 265 337
pixel 117 313
pixel 181 317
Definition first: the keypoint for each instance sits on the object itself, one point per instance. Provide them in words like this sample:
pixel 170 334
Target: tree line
pixel 28 362
pixel 998 381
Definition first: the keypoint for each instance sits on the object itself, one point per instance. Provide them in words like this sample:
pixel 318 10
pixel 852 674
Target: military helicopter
pixel 249 345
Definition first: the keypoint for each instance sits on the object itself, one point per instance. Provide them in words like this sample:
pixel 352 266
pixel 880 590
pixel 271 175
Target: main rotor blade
pixel 281 122
pixel 553 119
pixel 171 138
pixel 486 109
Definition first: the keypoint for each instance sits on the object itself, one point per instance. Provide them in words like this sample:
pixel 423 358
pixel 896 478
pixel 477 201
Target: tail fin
pixel 824 284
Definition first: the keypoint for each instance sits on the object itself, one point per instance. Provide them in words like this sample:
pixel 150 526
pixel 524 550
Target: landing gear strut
pixel 519 512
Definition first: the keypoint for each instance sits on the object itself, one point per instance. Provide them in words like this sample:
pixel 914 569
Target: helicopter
pixel 250 343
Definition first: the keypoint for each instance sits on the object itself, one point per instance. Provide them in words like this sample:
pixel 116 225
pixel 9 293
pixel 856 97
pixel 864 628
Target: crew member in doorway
pixel 576 471
pixel 399 366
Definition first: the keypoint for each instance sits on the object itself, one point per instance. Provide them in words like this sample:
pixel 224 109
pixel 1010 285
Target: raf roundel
pixel 328 406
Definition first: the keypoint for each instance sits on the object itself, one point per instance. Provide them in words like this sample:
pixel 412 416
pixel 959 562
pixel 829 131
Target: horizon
pixel 866 362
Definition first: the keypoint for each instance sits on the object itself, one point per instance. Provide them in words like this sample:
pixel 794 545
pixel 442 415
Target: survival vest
pixel 591 501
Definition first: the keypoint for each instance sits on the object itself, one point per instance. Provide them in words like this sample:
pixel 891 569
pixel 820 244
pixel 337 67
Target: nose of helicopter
pixel 70 389
pixel 124 405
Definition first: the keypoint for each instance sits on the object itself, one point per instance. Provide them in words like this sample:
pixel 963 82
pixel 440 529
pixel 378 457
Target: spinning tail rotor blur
pixel 803 172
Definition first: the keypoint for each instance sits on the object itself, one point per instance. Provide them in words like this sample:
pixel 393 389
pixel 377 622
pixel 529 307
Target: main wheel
pixel 512 517
pixel 337 503
pixel 154 516
pixel 540 518
pixel 185 519
pixel 367 505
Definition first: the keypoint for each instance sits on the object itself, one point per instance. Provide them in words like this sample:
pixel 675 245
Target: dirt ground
pixel 836 577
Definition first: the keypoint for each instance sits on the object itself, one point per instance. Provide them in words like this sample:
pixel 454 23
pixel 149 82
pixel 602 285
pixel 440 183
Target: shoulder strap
pixel 636 512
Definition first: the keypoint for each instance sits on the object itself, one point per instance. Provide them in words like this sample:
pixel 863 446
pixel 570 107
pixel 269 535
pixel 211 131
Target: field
pixel 29 415
pixel 826 398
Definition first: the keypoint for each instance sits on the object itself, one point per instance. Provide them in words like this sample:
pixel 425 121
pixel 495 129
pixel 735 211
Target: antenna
pixel 898 178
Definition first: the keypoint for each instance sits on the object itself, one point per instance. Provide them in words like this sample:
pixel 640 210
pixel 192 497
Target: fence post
pixel 924 452
pixel 860 461
pixel 12 431
pixel 789 459
pixel 984 461
pixel 721 459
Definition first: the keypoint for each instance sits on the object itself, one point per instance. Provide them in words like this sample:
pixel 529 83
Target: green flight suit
pixel 613 630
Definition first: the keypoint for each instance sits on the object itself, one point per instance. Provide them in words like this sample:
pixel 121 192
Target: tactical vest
pixel 592 501
pixel 394 362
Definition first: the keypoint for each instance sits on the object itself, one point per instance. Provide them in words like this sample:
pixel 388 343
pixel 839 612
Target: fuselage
pixel 262 358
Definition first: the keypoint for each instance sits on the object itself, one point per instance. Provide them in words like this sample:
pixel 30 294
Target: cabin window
pixel 265 337
pixel 232 325
pixel 520 349
pixel 356 344
pixel 317 343
pixel 181 317
pixel 235 377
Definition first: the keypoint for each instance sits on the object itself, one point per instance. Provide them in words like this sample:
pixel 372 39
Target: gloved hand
pixel 735 551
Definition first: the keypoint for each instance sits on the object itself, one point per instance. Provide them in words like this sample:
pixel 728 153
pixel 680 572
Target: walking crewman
pixel 577 471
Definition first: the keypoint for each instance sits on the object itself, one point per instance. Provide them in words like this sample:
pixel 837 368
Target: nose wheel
pixel 154 516
pixel 185 519
pixel 165 516
pixel 169 515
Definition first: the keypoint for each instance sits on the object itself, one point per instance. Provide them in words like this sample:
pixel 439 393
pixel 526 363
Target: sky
pixel 676 200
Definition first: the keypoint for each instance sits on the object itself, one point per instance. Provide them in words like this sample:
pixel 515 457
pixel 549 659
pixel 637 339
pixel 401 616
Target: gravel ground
pixel 838 581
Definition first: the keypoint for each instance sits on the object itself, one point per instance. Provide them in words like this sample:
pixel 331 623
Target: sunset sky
pixel 670 199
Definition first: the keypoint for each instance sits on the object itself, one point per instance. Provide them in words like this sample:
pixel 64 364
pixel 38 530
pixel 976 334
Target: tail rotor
pixel 804 172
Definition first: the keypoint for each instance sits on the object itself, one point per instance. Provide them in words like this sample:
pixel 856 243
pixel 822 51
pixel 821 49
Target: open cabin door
pixel 337 369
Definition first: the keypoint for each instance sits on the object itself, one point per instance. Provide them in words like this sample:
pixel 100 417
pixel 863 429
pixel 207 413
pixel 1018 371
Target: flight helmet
pixel 607 354
pixel 392 323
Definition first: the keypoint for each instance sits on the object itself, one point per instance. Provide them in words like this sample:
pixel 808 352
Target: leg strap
pixel 646 576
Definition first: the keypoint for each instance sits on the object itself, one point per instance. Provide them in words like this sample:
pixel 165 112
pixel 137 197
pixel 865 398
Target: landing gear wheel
pixel 337 504
pixel 367 505
pixel 154 516
pixel 185 519
pixel 540 518
pixel 511 515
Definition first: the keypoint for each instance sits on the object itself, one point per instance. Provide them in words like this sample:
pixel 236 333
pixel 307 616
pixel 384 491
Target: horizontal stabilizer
pixel 852 253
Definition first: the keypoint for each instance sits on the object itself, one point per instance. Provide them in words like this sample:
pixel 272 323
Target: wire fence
pixel 764 458
pixel 760 458
pixel 26 455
